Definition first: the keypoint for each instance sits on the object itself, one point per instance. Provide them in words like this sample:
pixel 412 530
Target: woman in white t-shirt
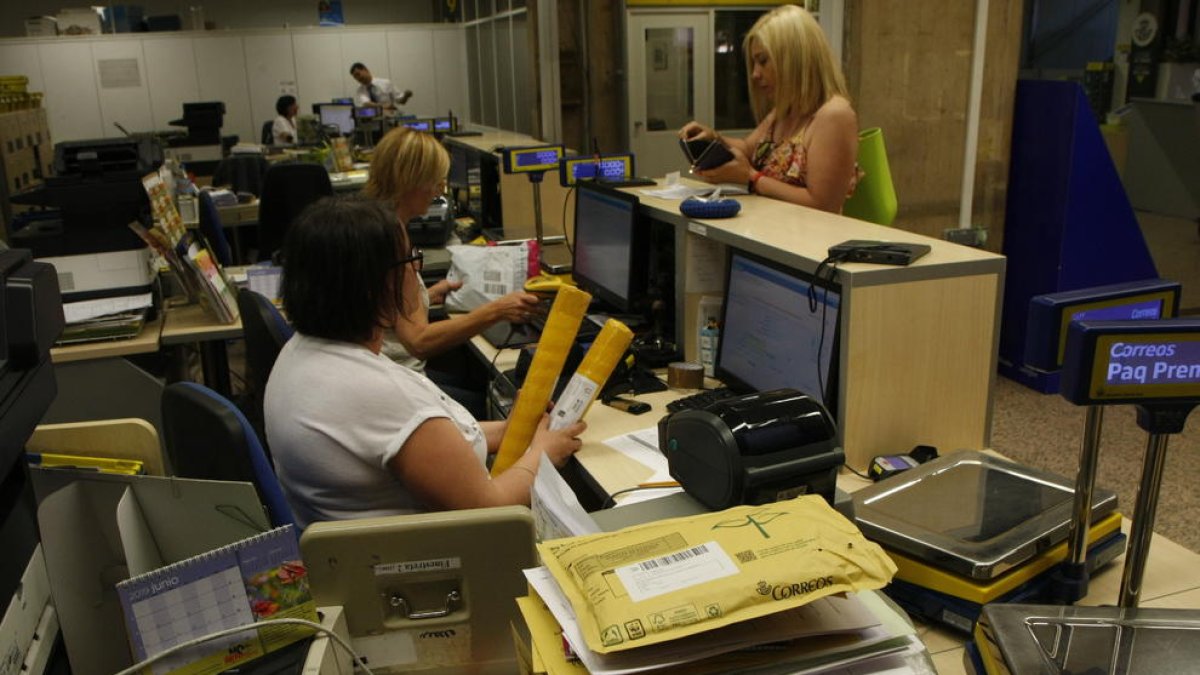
pixel 283 132
pixel 354 434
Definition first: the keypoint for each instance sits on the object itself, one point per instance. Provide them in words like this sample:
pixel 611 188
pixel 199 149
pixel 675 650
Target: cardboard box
pixel 41 26
pixel 78 21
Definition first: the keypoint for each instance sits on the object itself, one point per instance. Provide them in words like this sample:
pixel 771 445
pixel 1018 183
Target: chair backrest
pixel 206 436
pixel 242 173
pixel 287 189
pixel 266 331
pixel 488 548
pixel 875 198
pixel 128 438
pixel 268 133
pixel 213 230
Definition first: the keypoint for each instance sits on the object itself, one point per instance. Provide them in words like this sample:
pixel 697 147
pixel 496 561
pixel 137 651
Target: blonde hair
pixel 403 161
pixel 806 76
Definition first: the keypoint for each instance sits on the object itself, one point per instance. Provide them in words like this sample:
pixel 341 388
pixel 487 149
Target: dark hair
pixel 283 103
pixel 357 66
pixel 338 262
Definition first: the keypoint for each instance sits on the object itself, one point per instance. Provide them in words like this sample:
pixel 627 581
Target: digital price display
pixel 444 125
pixel 532 159
pixel 606 167
pixel 419 125
pixel 1132 361
pixel 366 113
pixel 1050 314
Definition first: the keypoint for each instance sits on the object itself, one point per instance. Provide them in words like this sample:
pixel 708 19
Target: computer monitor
pixel 419 125
pixel 460 166
pixel 772 336
pixel 366 113
pixel 338 115
pixel 606 167
pixel 609 256
pixel 343 101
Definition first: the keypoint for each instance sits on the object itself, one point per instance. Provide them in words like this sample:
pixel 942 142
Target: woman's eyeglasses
pixel 416 257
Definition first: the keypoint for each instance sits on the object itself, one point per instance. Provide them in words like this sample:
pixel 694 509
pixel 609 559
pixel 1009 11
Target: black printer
pixel 753 449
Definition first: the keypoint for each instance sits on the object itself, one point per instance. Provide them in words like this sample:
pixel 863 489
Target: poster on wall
pixel 330 12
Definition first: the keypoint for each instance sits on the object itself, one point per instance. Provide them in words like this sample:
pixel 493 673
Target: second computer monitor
pixel 337 115
pixel 609 248
pixel 774 333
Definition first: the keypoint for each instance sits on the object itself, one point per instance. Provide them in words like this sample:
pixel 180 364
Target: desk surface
pixel 192 323
pixel 1172 577
pixel 145 342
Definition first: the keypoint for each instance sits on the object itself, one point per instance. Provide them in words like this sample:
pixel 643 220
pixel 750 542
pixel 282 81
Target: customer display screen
pixel 608 167
pixel 525 160
pixel 1133 361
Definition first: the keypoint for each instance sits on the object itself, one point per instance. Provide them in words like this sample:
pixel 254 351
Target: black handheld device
pixel 705 154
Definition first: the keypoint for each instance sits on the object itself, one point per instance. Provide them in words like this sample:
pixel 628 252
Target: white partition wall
pixel 141 80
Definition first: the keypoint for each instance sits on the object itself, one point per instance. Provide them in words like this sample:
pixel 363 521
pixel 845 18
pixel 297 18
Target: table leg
pixel 214 360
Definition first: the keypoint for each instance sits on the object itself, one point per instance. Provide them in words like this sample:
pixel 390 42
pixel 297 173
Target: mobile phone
pixel 628 405
pixel 705 153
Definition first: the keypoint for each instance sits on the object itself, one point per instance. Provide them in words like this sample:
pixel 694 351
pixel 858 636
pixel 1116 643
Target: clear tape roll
pixel 685 375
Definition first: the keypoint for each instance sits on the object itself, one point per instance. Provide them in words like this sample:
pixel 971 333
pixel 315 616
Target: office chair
pixel 268 133
pixel 287 189
pixel 207 437
pixel 875 198
pixel 242 173
pixel 464 577
pixel 213 231
pixel 266 331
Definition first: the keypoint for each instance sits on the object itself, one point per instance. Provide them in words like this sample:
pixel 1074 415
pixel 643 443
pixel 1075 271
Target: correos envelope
pixel 665 580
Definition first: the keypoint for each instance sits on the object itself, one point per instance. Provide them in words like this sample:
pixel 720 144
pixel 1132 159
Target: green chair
pixel 875 198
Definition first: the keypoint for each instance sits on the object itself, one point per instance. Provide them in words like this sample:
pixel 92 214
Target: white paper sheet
pixel 74 312
pixel 556 511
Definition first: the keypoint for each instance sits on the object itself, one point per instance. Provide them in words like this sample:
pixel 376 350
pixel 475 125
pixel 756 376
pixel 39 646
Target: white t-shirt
pixel 336 414
pixel 283 132
pixel 385 93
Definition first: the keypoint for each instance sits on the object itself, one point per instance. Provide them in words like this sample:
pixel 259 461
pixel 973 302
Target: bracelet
pixel 526 469
pixel 750 187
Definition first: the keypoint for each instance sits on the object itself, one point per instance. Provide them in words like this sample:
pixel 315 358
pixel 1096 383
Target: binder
pixel 258 578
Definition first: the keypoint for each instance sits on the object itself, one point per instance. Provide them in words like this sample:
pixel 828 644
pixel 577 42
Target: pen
pixel 659 484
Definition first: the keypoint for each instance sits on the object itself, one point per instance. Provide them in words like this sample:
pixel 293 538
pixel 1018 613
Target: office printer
pixel 754 449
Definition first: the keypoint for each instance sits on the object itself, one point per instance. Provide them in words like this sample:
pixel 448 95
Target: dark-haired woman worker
pixel 353 433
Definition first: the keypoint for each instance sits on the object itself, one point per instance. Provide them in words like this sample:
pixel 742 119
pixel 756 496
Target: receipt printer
pixel 754 449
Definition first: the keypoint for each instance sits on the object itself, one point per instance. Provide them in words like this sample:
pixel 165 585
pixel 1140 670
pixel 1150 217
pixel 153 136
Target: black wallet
pixel 705 154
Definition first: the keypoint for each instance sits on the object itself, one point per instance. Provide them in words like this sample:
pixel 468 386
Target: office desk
pixel 918 343
pixel 192 324
pixel 1172 578
pixel 348 181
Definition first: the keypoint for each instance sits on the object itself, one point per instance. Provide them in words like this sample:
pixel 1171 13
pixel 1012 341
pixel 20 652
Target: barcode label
pixel 673 558
pixel 493 275
pixel 676 571
pixel 495 289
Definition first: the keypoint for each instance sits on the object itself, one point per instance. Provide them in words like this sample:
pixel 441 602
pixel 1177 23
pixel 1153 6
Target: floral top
pixel 787 161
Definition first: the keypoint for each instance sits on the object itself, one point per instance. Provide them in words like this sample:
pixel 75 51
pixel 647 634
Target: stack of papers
pixel 104 318
pixel 829 634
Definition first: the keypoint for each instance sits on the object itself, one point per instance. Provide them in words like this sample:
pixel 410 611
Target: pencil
pixel 659 484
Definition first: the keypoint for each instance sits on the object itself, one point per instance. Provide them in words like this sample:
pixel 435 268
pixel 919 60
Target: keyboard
pixel 701 400
pixel 628 181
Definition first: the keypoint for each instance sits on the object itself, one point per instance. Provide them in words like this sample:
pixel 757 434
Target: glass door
pixel 670 84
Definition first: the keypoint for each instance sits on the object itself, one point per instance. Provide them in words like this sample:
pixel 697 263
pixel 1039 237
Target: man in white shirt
pixel 376 92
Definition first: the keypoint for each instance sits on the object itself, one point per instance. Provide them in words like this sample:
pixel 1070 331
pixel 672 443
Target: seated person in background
pixel 354 434
pixel 283 132
pixel 376 92
pixel 805 146
pixel 408 169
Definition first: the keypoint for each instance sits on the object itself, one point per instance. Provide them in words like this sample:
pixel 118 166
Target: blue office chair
pixel 213 231
pixel 207 437
pixel 287 189
pixel 266 331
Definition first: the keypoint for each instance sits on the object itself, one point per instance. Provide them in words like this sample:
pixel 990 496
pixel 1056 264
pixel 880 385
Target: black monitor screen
pixel 460 167
pixel 604 262
pixel 340 116
pixel 770 337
